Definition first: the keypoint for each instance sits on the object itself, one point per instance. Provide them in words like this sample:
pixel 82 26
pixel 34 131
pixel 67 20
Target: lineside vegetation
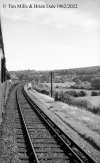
pixel 70 97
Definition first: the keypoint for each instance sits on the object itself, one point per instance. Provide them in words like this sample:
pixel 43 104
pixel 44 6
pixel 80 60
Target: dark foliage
pixel 60 96
pixel 82 93
pixel 44 91
pixel 76 94
pixel 41 89
pixel 95 93
pixel 96 83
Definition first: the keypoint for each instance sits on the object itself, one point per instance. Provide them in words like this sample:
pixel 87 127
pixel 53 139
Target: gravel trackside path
pixel 8 145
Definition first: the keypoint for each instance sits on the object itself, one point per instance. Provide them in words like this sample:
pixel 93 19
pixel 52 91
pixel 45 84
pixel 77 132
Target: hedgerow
pixel 81 103
pixel 76 94
pixel 95 93
pixel 41 89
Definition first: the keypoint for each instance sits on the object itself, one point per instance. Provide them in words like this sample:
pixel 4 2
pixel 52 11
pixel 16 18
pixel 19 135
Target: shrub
pixel 82 93
pixel 96 83
pixel 94 93
pixel 68 99
pixel 82 103
pixel 46 92
pixel 59 96
pixel 76 94
pixel 95 110
pixel 72 93
pixel 41 89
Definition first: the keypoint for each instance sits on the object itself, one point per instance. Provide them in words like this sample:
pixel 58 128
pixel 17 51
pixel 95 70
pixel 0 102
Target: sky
pixel 51 38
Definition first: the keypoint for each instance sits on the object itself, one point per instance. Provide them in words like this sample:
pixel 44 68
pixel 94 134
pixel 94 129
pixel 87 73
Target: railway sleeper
pixel 20 136
pixel 45 150
pixel 22 150
pixel 55 161
pixel 34 136
pixel 46 133
pixel 35 125
pixel 53 158
pixel 36 128
pixel 52 141
pixel 19 132
pixel 43 130
pixel 21 141
pixel 23 156
pixel 21 145
pixel 46 138
pixel 51 154
pixel 44 145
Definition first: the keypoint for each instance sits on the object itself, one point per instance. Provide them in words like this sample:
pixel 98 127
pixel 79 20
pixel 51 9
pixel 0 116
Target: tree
pixel 96 83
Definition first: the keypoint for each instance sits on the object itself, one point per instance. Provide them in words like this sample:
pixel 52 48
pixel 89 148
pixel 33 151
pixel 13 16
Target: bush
pixel 56 96
pixel 59 96
pixel 68 99
pixel 76 94
pixel 68 95
pixel 94 93
pixel 95 110
pixel 82 93
pixel 41 89
pixel 96 83
pixel 72 93
pixel 46 92
pixel 82 103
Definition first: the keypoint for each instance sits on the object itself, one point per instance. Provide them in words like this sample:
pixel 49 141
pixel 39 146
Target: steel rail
pixel 33 154
pixel 61 134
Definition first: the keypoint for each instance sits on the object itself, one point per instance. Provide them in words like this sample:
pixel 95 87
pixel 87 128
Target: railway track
pixel 39 139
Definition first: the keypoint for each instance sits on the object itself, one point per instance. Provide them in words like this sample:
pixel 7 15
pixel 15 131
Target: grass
pixel 66 84
pixel 94 100
pixel 81 102
pixel 75 97
pixel 65 87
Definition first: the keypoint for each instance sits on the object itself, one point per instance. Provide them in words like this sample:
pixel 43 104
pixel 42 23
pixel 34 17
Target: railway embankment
pixel 8 145
pixel 81 125
pixel 73 122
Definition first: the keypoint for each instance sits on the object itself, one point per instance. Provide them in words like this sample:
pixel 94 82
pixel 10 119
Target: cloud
pixel 57 18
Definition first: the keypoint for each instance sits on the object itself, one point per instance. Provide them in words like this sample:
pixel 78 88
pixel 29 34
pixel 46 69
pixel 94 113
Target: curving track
pixel 39 139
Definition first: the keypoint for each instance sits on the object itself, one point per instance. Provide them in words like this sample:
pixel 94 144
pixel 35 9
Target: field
pixel 61 85
pixel 94 100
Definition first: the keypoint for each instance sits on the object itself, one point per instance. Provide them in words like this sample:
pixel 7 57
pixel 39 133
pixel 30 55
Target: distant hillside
pixel 79 71
pixel 86 74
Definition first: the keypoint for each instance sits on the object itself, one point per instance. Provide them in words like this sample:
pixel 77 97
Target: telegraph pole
pixel 51 83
